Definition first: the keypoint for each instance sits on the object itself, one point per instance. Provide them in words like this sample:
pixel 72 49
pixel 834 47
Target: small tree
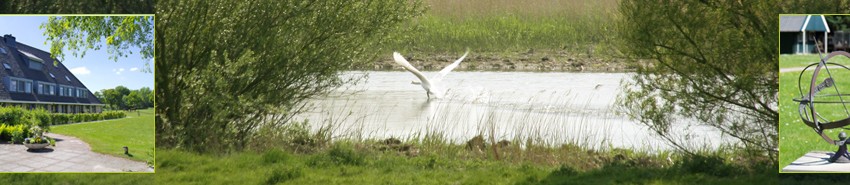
pixel 134 100
pixel 224 72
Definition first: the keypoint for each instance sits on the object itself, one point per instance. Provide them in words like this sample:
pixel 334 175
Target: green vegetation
pixel 386 162
pixel 793 61
pixel 108 137
pixel 122 98
pixel 254 64
pixel 77 34
pixel 693 63
pixel 796 138
pixel 509 26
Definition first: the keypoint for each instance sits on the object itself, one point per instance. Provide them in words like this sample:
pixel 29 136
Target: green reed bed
pixel 501 26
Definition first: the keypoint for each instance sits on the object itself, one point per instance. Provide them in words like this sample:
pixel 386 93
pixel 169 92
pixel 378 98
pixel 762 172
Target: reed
pixel 508 26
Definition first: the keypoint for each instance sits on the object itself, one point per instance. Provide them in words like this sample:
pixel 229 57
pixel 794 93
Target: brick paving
pixel 69 155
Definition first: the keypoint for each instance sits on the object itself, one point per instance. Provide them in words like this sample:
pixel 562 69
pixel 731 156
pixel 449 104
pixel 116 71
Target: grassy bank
pixel 507 35
pixel 510 25
pixel 367 163
pixel 136 131
pixel 795 138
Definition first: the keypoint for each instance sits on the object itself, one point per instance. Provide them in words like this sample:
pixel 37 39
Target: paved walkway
pixel 69 155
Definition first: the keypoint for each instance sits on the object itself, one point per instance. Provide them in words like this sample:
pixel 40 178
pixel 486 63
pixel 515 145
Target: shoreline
pixel 527 61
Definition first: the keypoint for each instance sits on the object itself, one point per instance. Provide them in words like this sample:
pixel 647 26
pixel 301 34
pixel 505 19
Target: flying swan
pixel 430 85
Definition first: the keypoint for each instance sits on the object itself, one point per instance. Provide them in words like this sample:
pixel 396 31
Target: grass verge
pixel 363 163
pixel 108 137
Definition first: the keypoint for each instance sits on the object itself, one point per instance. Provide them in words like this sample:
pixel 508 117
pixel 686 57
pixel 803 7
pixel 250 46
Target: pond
pixel 555 108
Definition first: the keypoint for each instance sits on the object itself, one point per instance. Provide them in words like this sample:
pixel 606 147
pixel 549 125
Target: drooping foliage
pixel 227 67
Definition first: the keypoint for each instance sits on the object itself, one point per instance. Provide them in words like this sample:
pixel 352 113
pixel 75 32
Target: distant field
pixel 504 25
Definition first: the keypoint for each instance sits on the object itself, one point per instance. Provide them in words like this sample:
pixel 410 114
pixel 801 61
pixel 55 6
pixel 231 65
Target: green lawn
pixel 795 138
pixel 352 166
pixel 108 137
pixel 791 61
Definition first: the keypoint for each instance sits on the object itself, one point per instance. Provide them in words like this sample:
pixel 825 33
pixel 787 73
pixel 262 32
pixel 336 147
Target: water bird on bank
pixel 430 85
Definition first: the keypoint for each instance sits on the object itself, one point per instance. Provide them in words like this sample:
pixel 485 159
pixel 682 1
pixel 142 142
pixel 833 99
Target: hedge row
pixel 58 119
pixel 15 122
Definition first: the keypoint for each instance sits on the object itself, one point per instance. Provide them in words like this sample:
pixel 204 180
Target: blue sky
pixel 95 70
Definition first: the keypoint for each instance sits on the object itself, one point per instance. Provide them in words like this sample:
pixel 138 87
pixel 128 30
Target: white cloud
pixel 120 69
pixel 134 69
pixel 80 71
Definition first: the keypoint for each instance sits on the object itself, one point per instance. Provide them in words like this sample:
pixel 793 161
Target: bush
pixel 39 117
pixel 4 135
pixel 60 119
pixel 19 132
pixel 11 115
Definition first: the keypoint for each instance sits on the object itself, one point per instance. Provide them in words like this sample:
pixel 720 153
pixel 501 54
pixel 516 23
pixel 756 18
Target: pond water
pixel 557 108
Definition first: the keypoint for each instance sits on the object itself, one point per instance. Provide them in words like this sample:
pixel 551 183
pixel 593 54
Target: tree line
pixel 122 98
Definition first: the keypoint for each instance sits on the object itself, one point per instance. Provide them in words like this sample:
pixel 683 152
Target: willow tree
pixel 709 62
pixel 714 62
pixel 224 68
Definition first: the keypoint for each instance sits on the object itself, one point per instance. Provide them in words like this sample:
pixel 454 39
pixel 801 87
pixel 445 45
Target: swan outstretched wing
pixel 449 68
pixel 403 62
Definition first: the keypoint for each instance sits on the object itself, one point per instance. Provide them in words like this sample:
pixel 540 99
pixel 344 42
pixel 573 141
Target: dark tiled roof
pixel 20 69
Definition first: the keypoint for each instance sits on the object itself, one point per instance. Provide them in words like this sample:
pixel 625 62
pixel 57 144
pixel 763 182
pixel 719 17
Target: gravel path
pixel 69 155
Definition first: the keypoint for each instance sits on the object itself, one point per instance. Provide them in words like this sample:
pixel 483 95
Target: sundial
pixel 818 96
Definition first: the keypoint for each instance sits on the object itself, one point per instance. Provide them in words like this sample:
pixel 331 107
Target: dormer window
pixel 20 85
pixel 66 78
pixel 2 51
pixel 34 62
pixel 51 76
pixel 6 65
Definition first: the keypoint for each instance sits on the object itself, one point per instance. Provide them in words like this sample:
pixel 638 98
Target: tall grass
pixel 504 25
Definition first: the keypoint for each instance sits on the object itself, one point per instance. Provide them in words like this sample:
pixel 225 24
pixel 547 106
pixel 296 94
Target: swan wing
pixel 449 68
pixel 403 62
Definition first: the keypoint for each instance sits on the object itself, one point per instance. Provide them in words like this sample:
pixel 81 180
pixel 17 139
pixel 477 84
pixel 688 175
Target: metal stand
pixel 841 156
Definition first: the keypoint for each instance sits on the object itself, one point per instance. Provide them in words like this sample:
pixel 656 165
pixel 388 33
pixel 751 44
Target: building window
pixel 13 86
pixel 51 76
pixel 82 93
pixel 35 65
pixel 6 65
pixel 20 85
pixel 66 78
pixel 61 91
pixel 40 88
pixel 3 51
pixel 51 91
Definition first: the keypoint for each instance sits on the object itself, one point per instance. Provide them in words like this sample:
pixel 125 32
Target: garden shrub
pixel 19 133
pixel 3 134
pixel 11 115
pixel 39 117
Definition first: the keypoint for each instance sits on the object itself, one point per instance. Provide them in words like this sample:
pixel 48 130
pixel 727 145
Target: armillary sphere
pixel 814 96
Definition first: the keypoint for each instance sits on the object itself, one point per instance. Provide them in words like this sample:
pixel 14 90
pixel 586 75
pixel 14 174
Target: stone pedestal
pixel 816 161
